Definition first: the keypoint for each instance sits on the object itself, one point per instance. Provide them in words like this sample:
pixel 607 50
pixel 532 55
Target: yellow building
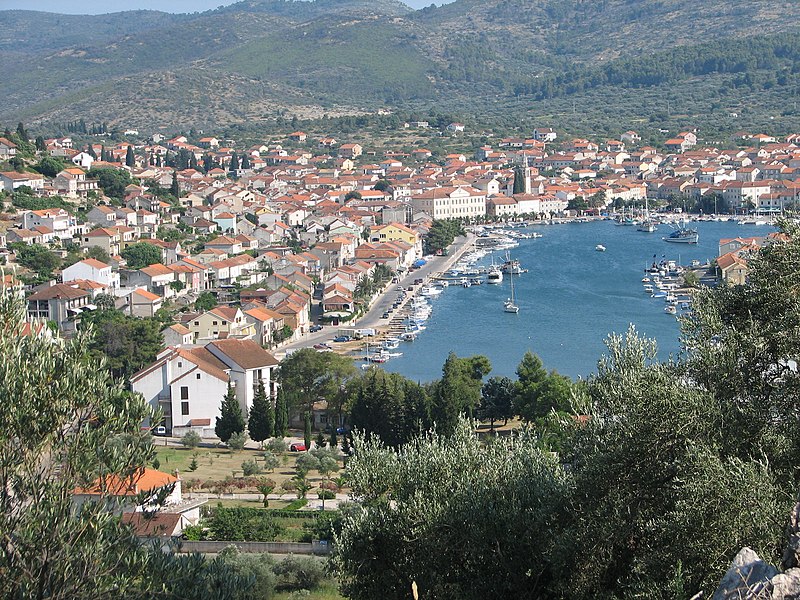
pixel 395 232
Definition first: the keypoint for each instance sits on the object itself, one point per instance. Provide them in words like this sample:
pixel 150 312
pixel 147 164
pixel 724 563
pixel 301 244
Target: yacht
pixel 600 248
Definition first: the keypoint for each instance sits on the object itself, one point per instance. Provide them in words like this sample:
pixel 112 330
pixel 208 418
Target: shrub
pixel 193 533
pixel 323 494
pixel 299 573
pixel 296 504
pixel 191 439
pixel 242 524
pixel 277 446
pixel 257 567
pixel 237 440
pixel 250 468
pixel 270 461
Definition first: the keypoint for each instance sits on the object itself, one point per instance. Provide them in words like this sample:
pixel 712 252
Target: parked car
pixel 322 346
pixel 160 430
pixel 297 447
pixel 385 315
pixel 342 338
pixel 315 328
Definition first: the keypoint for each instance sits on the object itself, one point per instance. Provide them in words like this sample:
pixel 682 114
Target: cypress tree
pixel 519 180
pixel 307 429
pixel 230 420
pixel 245 162
pixel 281 415
pixel 234 164
pixel 261 423
pixel 129 158
pixel 23 135
pixel 175 190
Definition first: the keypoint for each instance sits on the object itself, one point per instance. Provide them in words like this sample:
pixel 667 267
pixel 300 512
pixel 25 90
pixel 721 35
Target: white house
pixel 189 384
pixel 93 270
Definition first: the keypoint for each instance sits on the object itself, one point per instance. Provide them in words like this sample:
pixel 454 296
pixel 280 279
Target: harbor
pixel 570 299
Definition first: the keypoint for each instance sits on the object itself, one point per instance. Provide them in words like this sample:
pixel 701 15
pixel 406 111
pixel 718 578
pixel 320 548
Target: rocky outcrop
pixel 750 578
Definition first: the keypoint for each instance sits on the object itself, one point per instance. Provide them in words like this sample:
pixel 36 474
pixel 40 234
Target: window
pixel 213 322
pixel 198 375
pixel 180 364
pixel 196 323
pixel 184 408
pixel 184 392
pixel 224 322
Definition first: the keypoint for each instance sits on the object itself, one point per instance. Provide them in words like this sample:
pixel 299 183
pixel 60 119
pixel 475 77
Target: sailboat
pixel 510 306
pixel 647 224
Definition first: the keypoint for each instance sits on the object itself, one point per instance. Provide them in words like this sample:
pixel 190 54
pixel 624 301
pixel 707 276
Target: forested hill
pixel 248 60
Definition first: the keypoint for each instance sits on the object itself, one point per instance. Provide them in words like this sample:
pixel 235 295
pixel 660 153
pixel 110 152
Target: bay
pixel 570 300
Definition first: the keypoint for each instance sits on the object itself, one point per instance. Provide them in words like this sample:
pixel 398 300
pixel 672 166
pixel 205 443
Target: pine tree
pixel 23 135
pixel 261 423
pixel 307 429
pixel 230 420
pixel 234 164
pixel 281 415
pixel 90 151
pixel 245 162
pixel 40 145
pixel 129 158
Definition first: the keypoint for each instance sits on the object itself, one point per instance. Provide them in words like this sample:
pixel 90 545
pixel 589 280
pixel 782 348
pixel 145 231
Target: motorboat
pixel 600 248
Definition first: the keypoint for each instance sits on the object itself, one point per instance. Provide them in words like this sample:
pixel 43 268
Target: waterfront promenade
pixel 372 319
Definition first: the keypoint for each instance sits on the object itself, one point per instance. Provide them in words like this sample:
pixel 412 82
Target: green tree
pixel 130 159
pixel 50 166
pixel 128 344
pixel 497 397
pixel 261 423
pixel 307 429
pixel 307 376
pixel 519 180
pixel 230 420
pixel 66 423
pixel 98 253
pixel 37 258
pixel 458 392
pixel 389 406
pixel 191 439
pixel 281 415
pixel 656 504
pixel 233 166
pixel 174 188
pixel 141 254
pixel 205 302
pixel 112 181
pixel 460 518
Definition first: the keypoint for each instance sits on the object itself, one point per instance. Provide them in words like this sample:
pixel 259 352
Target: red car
pixel 297 447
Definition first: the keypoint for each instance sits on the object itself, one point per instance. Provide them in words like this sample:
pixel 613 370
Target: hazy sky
pixel 94 7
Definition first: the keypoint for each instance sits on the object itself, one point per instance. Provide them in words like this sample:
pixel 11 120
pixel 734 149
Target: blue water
pixel 570 300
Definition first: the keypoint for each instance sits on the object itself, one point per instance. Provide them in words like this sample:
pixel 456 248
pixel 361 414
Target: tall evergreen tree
pixel 23 135
pixel 175 189
pixel 90 151
pixel 261 424
pixel 281 415
pixel 130 160
pixel 519 180
pixel 307 429
pixel 233 166
pixel 230 420
pixel 245 164
pixel 40 145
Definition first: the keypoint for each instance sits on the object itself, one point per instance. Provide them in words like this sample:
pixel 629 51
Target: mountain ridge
pixel 363 54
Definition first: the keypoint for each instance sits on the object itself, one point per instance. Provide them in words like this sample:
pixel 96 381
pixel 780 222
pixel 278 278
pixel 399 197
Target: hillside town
pixel 239 251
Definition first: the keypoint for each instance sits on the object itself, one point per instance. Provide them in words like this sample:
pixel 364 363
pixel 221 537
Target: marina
pixel 568 297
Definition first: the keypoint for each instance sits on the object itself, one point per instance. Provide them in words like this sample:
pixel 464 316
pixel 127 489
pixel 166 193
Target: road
pixel 373 319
